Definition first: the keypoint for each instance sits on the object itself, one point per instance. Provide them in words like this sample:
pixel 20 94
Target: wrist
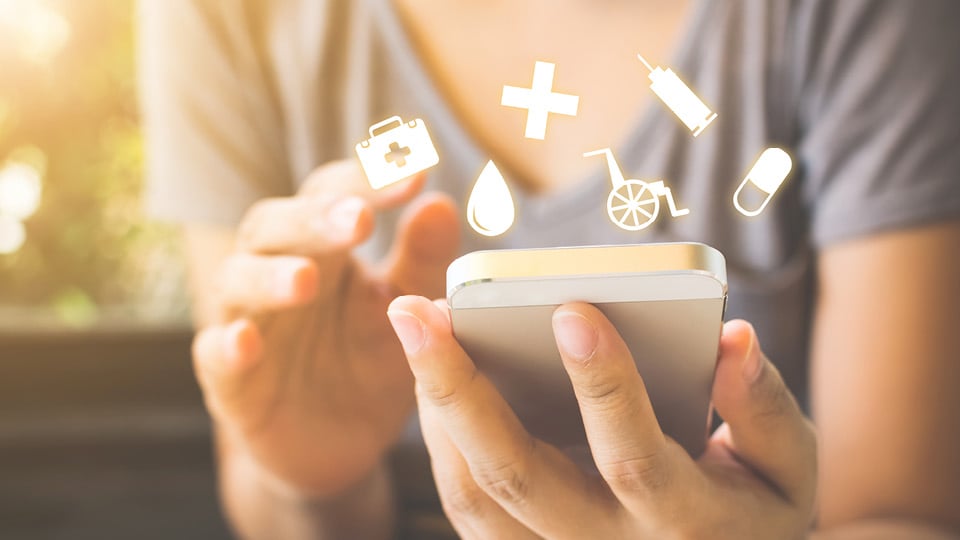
pixel 299 467
pixel 262 505
pixel 294 477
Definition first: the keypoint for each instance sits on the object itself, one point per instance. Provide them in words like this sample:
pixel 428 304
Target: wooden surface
pixel 103 436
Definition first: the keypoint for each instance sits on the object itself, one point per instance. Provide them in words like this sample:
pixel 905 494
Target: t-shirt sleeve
pixel 213 130
pixel 880 115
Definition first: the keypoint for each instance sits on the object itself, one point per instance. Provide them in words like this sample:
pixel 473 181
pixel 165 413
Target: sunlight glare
pixel 38 31
pixel 20 190
pixel 12 235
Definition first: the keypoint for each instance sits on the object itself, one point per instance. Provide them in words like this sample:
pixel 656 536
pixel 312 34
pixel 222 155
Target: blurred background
pixel 102 428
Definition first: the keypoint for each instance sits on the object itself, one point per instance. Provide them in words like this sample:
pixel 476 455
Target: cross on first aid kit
pixel 396 150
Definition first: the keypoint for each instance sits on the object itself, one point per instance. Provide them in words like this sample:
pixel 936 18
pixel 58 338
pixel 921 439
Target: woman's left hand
pixel 756 479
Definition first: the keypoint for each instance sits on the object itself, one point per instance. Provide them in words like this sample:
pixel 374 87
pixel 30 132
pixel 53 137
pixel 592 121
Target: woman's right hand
pixel 301 370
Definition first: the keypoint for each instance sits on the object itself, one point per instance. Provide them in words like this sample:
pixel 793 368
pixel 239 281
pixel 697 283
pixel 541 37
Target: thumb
pixel 428 239
pixel 764 426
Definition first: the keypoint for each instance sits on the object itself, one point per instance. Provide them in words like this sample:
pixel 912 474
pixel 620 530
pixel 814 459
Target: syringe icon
pixel 679 98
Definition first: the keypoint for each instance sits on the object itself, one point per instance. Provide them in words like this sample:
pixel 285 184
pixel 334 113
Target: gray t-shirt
pixel 243 99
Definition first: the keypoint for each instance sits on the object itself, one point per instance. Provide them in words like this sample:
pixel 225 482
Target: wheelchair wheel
pixel 632 205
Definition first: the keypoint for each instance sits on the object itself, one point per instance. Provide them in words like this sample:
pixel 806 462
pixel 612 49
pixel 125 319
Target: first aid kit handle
pixel 385 126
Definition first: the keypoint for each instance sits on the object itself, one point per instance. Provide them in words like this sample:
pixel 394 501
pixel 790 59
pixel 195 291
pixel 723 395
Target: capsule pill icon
pixel 762 182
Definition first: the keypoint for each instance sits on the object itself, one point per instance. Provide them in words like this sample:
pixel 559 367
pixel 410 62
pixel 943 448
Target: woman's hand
pixel 755 480
pixel 301 371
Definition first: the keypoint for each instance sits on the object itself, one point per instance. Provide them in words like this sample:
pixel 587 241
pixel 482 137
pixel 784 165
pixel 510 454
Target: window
pixel 75 248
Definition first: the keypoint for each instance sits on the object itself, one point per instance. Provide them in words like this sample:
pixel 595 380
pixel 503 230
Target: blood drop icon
pixel 490 208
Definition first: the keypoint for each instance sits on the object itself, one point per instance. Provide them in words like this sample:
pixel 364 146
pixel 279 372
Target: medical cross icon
pixel 397 154
pixel 540 100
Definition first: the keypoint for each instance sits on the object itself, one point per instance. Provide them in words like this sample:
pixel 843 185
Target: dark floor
pixel 103 437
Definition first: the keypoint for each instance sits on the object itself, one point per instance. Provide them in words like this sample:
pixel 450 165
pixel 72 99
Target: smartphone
pixel 666 300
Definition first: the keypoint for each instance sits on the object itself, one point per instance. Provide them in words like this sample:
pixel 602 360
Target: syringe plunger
pixel 676 95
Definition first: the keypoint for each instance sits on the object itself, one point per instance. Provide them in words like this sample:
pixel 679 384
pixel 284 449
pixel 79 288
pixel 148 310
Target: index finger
pixel 471 511
pixel 345 178
pixel 533 481
pixel 332 213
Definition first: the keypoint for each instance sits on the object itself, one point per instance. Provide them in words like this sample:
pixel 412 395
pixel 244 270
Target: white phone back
pixel 666 300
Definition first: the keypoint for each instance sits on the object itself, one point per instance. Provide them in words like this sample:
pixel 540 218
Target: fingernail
pixel 409 330
pixel 752 362
pixel 576 335
pixel 343 215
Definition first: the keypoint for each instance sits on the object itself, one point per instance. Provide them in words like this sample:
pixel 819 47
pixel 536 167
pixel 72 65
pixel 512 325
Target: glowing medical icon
pixel 634 204
pixel 540 100
pixel 490 208
pixel 396 151
pixel 679 98
pixel 765 178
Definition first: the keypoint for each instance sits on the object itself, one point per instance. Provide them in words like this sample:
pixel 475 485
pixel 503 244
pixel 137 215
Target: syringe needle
pixel 679 98
pixel 644 60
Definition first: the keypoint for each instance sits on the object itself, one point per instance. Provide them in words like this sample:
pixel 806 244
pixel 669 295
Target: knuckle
pixel 602 390
pixel 607 395
pixel 506 481
pixel 444 394
pixel 641 474
pixel 462 497
pixel 774 402
pixel 438 394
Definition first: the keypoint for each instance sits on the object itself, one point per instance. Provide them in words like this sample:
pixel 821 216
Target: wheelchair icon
pixel 634 204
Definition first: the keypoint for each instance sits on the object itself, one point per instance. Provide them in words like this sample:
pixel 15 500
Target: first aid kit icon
pixel 396 150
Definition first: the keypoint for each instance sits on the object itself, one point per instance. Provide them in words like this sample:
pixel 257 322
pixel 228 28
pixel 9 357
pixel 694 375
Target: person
pixel 252 110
